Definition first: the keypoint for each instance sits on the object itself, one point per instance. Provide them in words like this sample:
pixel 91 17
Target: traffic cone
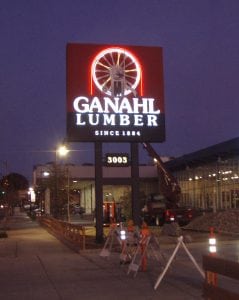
pixel 145 233
pixel 212 277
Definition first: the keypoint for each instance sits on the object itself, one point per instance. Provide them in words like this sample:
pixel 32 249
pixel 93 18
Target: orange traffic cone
pixel 145 233
pixel 210 276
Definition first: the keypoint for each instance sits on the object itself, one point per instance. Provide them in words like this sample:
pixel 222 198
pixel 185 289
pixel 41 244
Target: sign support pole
pixel 135 183
pixel 98 192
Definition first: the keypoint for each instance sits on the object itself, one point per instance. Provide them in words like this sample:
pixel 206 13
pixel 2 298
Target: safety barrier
pixel 223 267
pixel 73 235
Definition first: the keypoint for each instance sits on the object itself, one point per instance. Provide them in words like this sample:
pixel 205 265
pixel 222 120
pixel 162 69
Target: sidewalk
pixel 35 265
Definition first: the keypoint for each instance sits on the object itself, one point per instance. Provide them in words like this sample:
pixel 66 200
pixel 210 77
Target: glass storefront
pixel 211 186
pixel 117 203
pixel 117 199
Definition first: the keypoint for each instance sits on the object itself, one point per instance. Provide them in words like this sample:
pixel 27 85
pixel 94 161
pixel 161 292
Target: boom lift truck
pixel 161 208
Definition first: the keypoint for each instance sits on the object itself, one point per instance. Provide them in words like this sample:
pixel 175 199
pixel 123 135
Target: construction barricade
pixel 227 270
pixel 112 238
pixel 129 241
pixel 179 244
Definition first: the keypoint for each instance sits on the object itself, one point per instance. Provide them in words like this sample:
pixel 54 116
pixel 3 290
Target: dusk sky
pixel 200 41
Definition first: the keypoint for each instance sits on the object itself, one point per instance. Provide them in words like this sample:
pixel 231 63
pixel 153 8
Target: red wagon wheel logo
pixel 116 72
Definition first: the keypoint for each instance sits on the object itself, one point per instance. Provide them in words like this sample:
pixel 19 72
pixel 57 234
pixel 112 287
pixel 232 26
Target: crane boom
pixel 169 186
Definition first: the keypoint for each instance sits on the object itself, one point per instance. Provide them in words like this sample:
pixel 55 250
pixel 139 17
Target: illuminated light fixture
pixel 116 72
pixel 227 172
pixel 46 173
pixel 31 194
pixel 190 179
pixel 62 150
pixel 155 160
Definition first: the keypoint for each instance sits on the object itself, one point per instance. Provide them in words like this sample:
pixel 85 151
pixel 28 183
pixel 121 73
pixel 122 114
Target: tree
pixel 11 184
pixel 56 181
pixel 15 182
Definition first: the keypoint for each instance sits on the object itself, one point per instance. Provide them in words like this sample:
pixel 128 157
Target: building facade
pixel 209 178
pixel 77 183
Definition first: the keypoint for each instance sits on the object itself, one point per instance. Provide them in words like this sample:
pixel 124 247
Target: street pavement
pixel 34 265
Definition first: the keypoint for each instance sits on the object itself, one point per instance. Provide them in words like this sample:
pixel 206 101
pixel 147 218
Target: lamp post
pixel 63 151
pixel 32 198
pixel 5 191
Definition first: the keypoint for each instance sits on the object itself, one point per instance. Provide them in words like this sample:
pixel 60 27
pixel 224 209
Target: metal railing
pixel 71 234
pixel 225 270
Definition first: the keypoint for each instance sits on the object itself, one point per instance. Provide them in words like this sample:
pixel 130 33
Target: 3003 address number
pixel 117 159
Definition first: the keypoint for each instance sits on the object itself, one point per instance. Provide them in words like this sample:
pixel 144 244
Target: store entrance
pixel 117 203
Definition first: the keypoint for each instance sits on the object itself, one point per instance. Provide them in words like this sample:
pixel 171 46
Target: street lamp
pixel 32 197
pixel 63 151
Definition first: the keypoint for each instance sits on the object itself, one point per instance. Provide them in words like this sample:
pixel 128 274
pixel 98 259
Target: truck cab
pixel 156 210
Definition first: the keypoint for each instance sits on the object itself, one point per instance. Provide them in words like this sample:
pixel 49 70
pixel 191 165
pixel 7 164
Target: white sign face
pixel 116 106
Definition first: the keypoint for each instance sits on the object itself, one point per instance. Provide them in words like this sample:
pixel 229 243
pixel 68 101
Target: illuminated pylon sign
pixel 115 93
pixel 116 72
